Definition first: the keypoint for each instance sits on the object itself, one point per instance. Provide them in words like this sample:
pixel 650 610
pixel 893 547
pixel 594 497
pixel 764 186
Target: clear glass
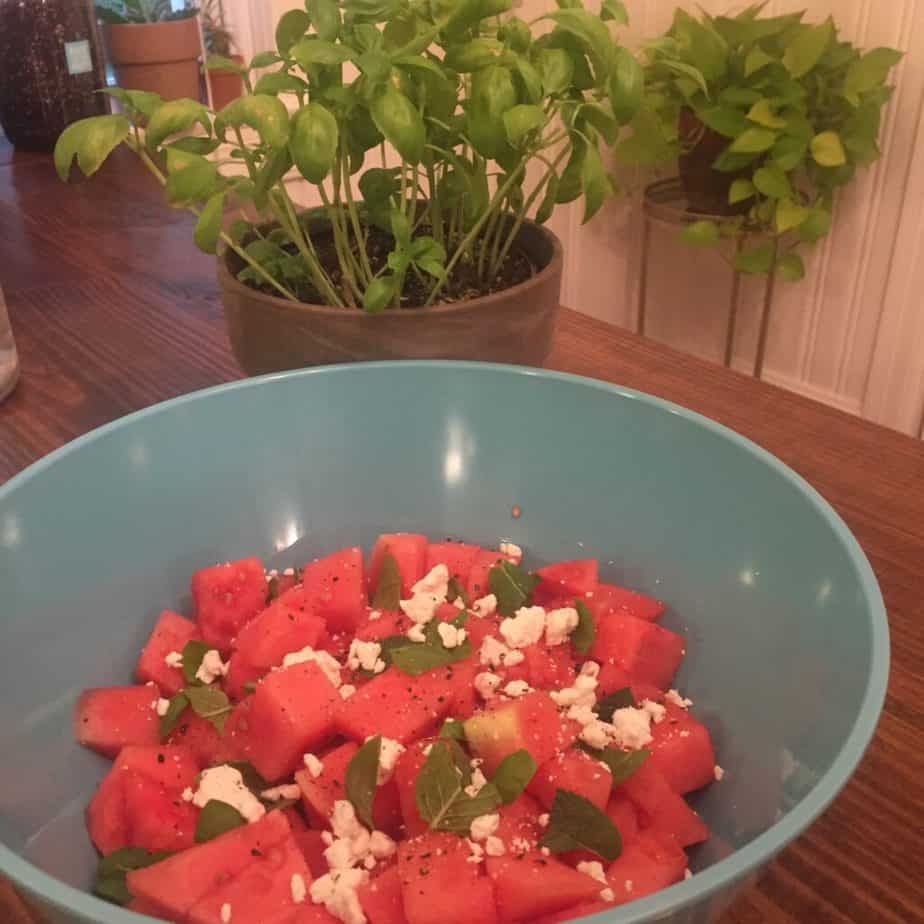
pixel 9 360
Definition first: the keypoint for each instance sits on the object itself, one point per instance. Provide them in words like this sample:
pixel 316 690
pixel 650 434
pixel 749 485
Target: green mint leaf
pixel 453 728
pixel 417 658
pixel 360 780
pixel 250 686
pixel 251 778
pixel 210 704
pixel 513 775
pixel 618 699
pixel 193 653
pixel 217 818
pixel 175 709
pixel 388 587
pixel 575 822
pixel 585 632
pixel 454 590
pixel 109 882
pixel 622 764
pixel 512 586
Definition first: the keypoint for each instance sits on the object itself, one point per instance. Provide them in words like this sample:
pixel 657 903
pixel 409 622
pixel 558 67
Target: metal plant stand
pixel 665 204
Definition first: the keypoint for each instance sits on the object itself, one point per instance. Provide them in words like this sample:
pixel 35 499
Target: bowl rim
pixel 66 898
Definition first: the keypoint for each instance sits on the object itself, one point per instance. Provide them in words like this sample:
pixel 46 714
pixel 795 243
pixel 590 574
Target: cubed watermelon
pixel 649 653
pixel 409 551
pixel 681 749
pixel 157 818
pixel 660 809
pixel 387 622
pixel 312 914
pixel 235 741
pixel 565 579
pixel 484 561
pixel 292 714
pixel 609 598
pixel 519 822
pixel 646 865
pixel 335 588
pixel 575 771
pixel 458 557
pixel 200 736
pixel 439 885
pixel 311 843
pixel 226 598
pixel 242 676
pixel 623 814
pixel 544 668
pixel 532 722
pixel 406 770
pixel 107 719
pixel 381 900
pixel 171 633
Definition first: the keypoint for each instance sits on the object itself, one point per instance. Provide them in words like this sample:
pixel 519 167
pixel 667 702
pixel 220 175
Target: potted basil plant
pixel 416 123
pixel 768 118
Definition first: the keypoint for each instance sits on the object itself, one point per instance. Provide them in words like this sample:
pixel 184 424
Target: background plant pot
pixel 162 57
pixel 705 188
pixel 269 334
pixel 226 85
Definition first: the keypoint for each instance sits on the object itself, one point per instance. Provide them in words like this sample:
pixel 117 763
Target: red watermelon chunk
pixel 649 653
pixel 180 882
pixel 242 676
pixel 458 557
pixel 609 598
pixel 235 741
pixel 531 722
pixel 575 771
pixel 519 821
pixel 107 719
pixel 312 914
pixel 226 598
pixel 171 633
pixel 530 885
pixel 623 814
pixel 648 864
pixel 409 551
pixel 388 622
pixel 200 736
pixel 543 668
pixel 439 885
pixel 407 769
pixel 292 714
pixel 484 561
pixel 565 579
pixel 157 818
pixel 661 810
pixel 380 898
pixel 139 906
pixel 335 587
pixel 681 749
pixel 312 846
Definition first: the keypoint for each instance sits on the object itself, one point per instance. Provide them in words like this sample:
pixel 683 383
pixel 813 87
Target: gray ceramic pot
pixel 269 334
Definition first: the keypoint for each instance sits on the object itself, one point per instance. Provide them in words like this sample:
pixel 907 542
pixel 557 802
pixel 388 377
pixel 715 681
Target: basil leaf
pixel 175 709
pixel 513 775
pixel 360 779
pixel 622 764
pixel 618 699
pixel 416 658
pixel 455 590
pixel 453 728
pixel 388 586
pixel 210 704
pixel 585 632
pixel 109 882
pixel 252 779
pixel 217 818
pixel 512 586
pixel 575 822
pixel 193 653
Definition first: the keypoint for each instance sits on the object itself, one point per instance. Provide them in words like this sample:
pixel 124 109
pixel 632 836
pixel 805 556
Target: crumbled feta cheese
pixel 211 667
pixel 389 752
pixel 225 913
pixel 581 693
pixel 313 764
pixel 607 895
pixel 161 706
pixel 688 873
pixel 289 572
pixel 517 688
pixel 521 845
pixel 479 780
pixel 596 734
pixel 365 656
pixel 525 627
pixel 188 794
pixel 631 728
pixel 545 851
pixel 225 784
pixel 450 636
pixel 628 885
pixel 327 662
pixel 276 793
pixel 476 854
pixel 343 820
pixel 511 551
pixel 427 594
pixel 484 826
pixel 685 733
pixel 672 696
pixel 590 669
pixel 495 653
pixel 494 847
pixel 655 710
pixel 486 684
pixel 337 892
pixel 298 888
pixel 374 614
pixel 416 633
pixel 347 690
pixel 327 838
pixel 592 868
pixel 718 773
pixel 174 659
pixel 559 624
pixel 544 819
pixel 381 846
pixel 485 606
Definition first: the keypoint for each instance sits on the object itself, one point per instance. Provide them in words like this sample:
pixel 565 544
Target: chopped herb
pixel 622 764
pixel 455 590
pixel 585 632
pixel 453 728
pixel 110 882
pixel 175 708
pixel 361 779
pixel 388 586
pixel 193 653
pixel 619 699
pixel 513 775
pixel 217 818
pixel 209 703
pixel 512 586
pixel 575 822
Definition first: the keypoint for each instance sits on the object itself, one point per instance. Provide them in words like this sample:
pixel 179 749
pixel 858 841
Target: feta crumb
pixel 347 690
pixel 426 595
pixel 685 733
pixel 485 606
pixel 381 846
pixel 544 819
pixel 631 728
pixel 545 851
pixel 370 862
pixel 672 696
pixel 494 847
pixel 374 614
pixel 365 656
pixel 525 627
pixel 688 873
pixel 628 885
pixel 517 688
pixel 596 734
pixel 607 895
pixel 655 710
pixel 337 892
pixel 327 838
pixel 450 636
pixel 511 551
pixel 486 684
pixel 289 572
pixel 718 773
pixel 594 869
pixel 225 913
pixel 298 888
pixel 276 793
pixel 479 780
pixel 188 794
pixel 161 706
pixel 314 766
pixel 225 784
pixel 343 820
pixel 211 667
pixel 416 633
pixel 389 752
pixel 521 845
pixel 484 826
pixel 590 669
pixel 174 659
pixel 476 854
pixel 495 653
pixel 559 624
pixel 583 692
pixel 327 662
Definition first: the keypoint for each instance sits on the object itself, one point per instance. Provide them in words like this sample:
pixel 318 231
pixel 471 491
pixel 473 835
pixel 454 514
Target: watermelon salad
pixel 435 735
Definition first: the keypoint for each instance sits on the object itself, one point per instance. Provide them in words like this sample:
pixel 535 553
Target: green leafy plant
pixel 794 108
pixel 122 12
pixel 467 98
pixel 215 32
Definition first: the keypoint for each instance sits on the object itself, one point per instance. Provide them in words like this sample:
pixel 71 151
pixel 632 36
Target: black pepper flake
pixel 255 853
pixel 161 758
pixel 424 871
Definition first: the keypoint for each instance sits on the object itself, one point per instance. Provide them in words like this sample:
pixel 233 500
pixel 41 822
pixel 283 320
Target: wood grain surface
pixel 113 310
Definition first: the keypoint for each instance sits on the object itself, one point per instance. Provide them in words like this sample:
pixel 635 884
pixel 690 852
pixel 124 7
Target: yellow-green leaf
pixel 806 50
pixel 740 191
pixel 291 27
pixel 789 215
pixel 176 115
pixel 313 141
pixel 756 60
pixel 791 267
pixel 753 141
pixel 828 150
pixel 702 233
pixel 267 115
pixel 771 181
pixel 208 227
pixel 91 141
pixel 762 114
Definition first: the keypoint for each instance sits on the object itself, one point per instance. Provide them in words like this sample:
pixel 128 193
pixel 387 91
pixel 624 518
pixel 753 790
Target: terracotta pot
pixel 162 57
pixel 270 334
pixel 226 85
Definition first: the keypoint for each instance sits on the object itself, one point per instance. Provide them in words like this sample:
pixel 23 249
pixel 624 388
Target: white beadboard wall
pixel 852 333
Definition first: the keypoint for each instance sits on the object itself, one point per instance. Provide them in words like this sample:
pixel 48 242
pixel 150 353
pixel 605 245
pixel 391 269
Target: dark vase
pixel 51 68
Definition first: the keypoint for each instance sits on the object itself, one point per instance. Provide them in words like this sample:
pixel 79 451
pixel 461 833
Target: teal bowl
pixel 787 639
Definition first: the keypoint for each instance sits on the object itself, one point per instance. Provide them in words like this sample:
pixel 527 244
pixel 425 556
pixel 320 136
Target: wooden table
pixel 113 310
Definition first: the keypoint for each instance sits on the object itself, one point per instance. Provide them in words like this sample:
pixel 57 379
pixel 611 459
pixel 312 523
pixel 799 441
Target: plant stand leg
pixel 765 323
pixel 733 309
pixel 643 278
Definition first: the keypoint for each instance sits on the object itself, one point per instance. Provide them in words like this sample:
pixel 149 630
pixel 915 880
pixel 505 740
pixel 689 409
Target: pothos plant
pixel 467 98
pixel 795 109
